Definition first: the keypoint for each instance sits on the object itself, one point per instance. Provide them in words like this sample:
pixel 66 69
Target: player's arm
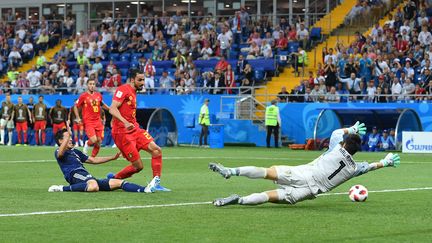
pixel 391 160
pixel 63 146
pixel 104 106
pixel 75 110
pixel 101 160
pixel 114 111
pixel 337 135
pixel 30 115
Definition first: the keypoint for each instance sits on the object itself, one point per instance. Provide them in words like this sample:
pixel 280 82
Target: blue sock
pixel 131 187
pixel 79 187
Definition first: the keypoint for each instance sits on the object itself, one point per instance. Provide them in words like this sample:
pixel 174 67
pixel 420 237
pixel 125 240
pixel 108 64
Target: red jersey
pixel 91 107
pixel 126 95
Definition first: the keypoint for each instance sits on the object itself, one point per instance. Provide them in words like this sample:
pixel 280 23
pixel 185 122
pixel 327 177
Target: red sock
pixel 76 138
pixel 37 137
pixel 156 163
pixel 95 150
pixel 127 172
pixel 25 137
pixel 43 137
pixel 19 137
pixel 89 143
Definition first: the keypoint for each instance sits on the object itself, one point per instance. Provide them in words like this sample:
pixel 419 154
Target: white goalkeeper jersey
pixel 335 166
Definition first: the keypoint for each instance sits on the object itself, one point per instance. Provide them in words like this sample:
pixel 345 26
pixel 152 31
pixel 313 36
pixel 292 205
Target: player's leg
pixel 156 161
pixel 127 146
pixel 10 126
pixel 97 144
pixel 43 133
pixel 81 135
pixel 2 131
pixel 92 139
pixel 36 131
pixel 18 130
pixel 251 172
pixel 115 184
pixel 25 129
pixel 252 199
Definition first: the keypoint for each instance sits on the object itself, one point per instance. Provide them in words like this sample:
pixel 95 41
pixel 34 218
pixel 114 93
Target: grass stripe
pixel 178 204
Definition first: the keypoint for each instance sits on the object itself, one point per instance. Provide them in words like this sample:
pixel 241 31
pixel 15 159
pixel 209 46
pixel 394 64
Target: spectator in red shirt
pixel 222 64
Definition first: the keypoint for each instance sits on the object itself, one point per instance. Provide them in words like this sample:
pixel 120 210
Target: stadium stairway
pixel 288 78
pixel 49 54
pixel 335 18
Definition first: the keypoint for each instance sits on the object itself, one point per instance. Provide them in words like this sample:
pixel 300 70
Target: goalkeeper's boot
pixel 151 187
pixel 220 202
pixel 219 168
pixel 55 188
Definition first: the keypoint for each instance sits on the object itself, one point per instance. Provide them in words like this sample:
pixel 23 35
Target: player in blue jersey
pixel 71 162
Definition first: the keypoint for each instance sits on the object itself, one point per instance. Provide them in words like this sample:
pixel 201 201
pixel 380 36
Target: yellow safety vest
pixel 303 58
pixel 271 115
pixel 81 60
pixel 204 117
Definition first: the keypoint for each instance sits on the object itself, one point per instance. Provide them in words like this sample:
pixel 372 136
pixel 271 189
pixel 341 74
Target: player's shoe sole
pixel 220 202
pixel 151 187
pixel 219 168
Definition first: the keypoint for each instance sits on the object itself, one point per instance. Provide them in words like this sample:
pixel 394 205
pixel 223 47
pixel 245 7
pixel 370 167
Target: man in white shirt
pixel 225 41
pixel 106 36
pixel 330 54
pixel 408 89
pixel 425 37
pixel 396 89
pixel 303 35
pixel 27 50
pixel 172 28
pixel 352 84
pixel 307 181
pixel 14 57
pixel 34 77
pixel 149 72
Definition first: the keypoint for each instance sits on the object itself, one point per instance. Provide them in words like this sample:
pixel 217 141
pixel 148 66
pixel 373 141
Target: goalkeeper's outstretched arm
pixel 337 135
pixel 391 160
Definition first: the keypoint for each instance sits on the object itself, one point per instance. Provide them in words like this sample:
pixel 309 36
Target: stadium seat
pixel 124 72
pixel 114 56
pixel 293 46
pixel 122 64
pixel 147 55
pixel 125 57
pixel 315 35
pixel 136 56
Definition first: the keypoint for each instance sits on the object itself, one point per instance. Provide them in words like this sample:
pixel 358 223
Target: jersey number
pixel 342 165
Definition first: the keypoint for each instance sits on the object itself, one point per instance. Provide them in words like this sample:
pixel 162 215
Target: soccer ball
pixel 358 193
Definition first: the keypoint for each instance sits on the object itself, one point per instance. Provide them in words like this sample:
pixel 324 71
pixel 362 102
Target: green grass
pixel 394 216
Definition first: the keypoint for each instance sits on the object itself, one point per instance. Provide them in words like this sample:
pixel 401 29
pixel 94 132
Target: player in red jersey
pixel 127 134
pixel 91 103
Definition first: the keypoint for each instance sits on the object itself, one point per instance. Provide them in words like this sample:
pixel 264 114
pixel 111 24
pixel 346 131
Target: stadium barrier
pixel 416 142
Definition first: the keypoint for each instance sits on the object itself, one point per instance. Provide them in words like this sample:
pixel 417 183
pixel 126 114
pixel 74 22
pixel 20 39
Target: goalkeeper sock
pixel 254 199
pixel 127 172
pixel 251 172
pixel 156 164
pixel 131 187
pixel 79 187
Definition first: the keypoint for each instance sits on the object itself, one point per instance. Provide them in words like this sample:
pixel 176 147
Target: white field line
pixel 177 204
pixel 203 157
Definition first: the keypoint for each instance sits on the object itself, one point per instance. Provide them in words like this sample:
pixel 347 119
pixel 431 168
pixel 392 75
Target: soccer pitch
pixel 186 215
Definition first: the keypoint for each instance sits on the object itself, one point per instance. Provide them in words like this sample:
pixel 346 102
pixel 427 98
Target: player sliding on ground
pixel 298 183
pixel 71 162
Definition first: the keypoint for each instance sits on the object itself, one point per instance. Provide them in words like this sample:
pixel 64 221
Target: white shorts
pixel 295 185
pixel 9 124
pixel 149 83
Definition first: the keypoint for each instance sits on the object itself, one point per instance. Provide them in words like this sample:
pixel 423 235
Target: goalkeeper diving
pixel 298 183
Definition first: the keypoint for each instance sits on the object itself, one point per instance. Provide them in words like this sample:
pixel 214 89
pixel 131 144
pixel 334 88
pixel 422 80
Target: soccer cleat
pixel 55 188
pixel 9 144
pixel 151 187
pixel 110 176
pixel 81 143
pixel 162 189
pixel 220 202
pixel 219 168
pixel 114 146
pixel 85 149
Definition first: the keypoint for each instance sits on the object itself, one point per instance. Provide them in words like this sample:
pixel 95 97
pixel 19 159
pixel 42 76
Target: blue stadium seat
pixel 136 56
pixel 114 56
pixel 122 64
pixel 125 57
pixel 147 55
pixel 293 46
pixel 124 72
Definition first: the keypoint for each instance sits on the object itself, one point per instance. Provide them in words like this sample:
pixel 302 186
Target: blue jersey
pixel 387 143
pixel 71 161
pixel 373 139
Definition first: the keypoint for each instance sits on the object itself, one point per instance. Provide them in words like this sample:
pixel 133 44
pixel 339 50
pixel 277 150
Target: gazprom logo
pixel 410 145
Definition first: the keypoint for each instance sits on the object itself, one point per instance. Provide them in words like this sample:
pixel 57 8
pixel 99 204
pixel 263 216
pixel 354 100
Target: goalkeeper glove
pixel 391 160
pixel 359 128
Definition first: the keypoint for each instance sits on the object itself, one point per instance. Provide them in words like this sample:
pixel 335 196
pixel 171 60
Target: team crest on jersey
pixel 119 94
